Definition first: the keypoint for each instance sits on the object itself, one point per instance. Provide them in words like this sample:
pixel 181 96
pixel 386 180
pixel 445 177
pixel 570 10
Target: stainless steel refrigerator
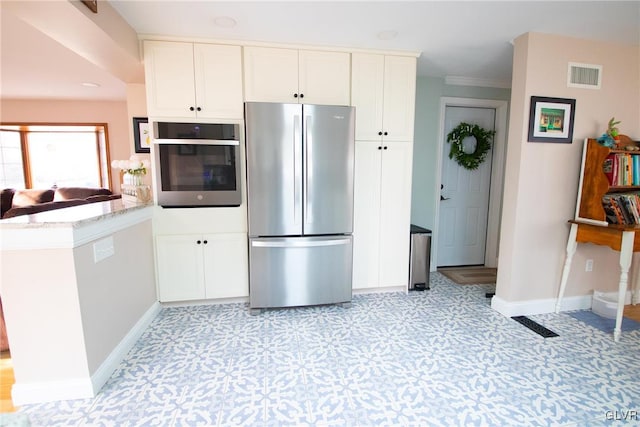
pixel 300 161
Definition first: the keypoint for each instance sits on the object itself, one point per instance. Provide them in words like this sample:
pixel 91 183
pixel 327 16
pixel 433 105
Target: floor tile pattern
pixel 441 357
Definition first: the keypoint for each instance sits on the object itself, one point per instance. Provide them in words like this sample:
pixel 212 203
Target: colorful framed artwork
pixel 551 119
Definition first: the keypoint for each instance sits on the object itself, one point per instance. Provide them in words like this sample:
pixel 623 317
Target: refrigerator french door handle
pixel 284 243
pixel 297 172
pixel 308 175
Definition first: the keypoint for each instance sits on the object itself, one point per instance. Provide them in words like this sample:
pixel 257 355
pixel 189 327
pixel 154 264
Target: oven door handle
pixel 197 141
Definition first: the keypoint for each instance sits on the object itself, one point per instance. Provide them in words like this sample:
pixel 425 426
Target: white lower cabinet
pixel 193 267
pixel 382 214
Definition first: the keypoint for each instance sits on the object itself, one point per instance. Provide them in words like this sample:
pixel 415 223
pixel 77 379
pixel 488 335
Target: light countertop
pixel 73 216
pixel 71 227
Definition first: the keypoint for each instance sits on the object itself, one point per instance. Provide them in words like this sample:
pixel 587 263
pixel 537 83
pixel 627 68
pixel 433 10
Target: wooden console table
pixel 621 238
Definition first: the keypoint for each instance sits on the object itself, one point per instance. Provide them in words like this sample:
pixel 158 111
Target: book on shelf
pixel 627 209
pixel 611 210
pixel 635 160
pixel 610 168
pixel 622 208
pixel 622 169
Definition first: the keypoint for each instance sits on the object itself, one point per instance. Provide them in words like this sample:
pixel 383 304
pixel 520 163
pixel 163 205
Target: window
pixel 45 156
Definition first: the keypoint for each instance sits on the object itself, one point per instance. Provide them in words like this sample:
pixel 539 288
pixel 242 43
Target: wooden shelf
pixel 594 183
pixel 589 225
pixel 619 188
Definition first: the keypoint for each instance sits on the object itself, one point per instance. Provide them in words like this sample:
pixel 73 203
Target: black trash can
pixel 420 258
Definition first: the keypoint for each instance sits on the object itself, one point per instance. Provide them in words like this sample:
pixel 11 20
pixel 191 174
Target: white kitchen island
pixel 78 289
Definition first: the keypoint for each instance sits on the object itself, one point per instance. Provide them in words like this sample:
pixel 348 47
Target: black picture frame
pixel 91 4
pixel 141 135
pixel 551 119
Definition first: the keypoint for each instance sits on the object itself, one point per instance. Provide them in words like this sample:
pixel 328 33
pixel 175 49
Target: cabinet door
pixel 395 213
pixel 169 79
pixel 226 265
pixel 180 269
pixel 270 74
pixel 399 98
pixel 218 77
pixel 367 87
pixel 366 215
pixel 324 77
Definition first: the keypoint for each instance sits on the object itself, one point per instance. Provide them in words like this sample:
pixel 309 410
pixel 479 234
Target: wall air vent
pixel 586 76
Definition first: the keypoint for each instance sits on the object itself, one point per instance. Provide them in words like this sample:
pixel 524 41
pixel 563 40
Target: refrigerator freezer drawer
pixel 299 271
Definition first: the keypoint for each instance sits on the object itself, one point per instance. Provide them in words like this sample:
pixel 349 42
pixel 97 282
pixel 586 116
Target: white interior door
pixel 464 206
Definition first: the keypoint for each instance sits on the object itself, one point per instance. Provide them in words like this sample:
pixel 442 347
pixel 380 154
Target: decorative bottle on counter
pixel 134 190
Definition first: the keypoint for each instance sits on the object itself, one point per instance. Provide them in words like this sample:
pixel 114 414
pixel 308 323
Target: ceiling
pixel 469 40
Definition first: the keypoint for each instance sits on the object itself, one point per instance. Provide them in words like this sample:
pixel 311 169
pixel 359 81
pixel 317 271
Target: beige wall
pixel 114 293
pixel 67 315
pixel 541 179
pixel 137 107
pixel 113 113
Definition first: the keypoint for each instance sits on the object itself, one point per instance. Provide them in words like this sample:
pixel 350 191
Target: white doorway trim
pixel 497 173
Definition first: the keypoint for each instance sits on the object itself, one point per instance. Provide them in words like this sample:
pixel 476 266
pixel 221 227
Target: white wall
pixel 43 316
pixel 541 179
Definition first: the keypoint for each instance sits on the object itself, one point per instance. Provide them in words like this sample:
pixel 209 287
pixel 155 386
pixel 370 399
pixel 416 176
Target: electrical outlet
pixel 589 265
pixel 103 249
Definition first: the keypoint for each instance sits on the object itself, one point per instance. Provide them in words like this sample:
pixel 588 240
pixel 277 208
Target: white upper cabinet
pixel 290 75
pixel 324 77
pixel 270 74
pixel 383 90
pixel 187 80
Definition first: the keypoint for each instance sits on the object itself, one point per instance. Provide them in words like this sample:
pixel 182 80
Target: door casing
pixel 497 173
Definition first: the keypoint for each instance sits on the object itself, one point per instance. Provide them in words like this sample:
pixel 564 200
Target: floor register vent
pixel 586 76
pixel 535 326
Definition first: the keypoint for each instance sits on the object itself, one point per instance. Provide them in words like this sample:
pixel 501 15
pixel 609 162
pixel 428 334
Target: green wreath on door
pixel 483 138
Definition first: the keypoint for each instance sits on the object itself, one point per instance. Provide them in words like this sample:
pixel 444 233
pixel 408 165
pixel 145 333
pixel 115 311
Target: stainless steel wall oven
pixel 197 164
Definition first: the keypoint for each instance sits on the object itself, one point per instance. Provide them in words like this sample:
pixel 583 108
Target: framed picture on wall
pixel 91 4
pixel 551 119
pixel 141 135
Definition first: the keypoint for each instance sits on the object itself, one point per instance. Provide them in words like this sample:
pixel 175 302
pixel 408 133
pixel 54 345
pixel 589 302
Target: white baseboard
pixel 362 291
pixel 106 369
pixel 541 306
pixel 23 394
pixel 217 301
pixel 84 388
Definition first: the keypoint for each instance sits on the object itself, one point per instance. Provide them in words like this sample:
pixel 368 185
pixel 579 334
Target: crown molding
pixel 472 81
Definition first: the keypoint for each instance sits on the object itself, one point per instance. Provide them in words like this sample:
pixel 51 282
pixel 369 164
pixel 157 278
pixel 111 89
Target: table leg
pixel 626 253
pixel 571 250
pixel 635 291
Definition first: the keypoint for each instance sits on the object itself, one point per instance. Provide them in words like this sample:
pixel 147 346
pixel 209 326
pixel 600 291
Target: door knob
pixel 380 133
pixel 295 95
pixel 191 108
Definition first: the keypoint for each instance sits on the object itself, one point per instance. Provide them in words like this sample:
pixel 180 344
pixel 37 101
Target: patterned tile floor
pixel 441 357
